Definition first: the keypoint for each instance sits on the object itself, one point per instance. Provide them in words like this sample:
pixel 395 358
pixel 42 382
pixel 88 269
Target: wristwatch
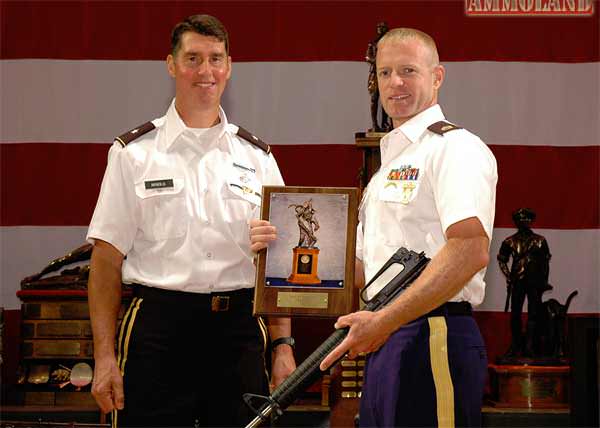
pixel 283 341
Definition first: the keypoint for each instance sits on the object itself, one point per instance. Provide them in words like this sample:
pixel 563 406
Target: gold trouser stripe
pixel 444 390
pixel 123 344
pixel 264 331
pixel 265 335
pixel 123 329
pixel 128 335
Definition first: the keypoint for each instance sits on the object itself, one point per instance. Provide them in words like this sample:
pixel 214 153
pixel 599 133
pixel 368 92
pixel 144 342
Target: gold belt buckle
pixel 219 303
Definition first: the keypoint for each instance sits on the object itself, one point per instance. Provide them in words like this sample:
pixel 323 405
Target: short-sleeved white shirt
pixel 426 183
pixel 177 202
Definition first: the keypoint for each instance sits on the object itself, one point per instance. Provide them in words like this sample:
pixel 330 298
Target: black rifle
pixel 308 372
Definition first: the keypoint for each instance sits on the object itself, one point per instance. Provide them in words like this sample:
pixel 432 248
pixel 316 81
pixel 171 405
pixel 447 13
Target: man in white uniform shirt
pixel 435 192
pixel 172 219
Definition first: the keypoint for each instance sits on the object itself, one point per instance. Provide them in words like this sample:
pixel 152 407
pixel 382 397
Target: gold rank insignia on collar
pixel 442 127
pixel 136 132
pixel 253 139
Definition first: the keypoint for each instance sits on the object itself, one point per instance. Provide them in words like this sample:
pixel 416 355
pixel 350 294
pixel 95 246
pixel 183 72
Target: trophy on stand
pixel 383 126
pixel 305 254
pixel 534 371
pixel 368 141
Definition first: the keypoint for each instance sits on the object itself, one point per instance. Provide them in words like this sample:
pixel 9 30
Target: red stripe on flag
pixel 287 31
pixel 50 184
pixel 54 184
pixel 559 183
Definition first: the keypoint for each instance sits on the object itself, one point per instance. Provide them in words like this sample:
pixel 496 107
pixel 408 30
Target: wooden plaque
pixel 309 269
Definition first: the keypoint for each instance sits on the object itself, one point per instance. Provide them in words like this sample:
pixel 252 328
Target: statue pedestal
pixel 533 387
pixel 304 266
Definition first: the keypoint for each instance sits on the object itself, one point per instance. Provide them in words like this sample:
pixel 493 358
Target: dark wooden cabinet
pixel 369 144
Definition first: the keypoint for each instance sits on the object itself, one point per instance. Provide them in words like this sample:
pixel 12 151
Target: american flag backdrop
pixel 74 74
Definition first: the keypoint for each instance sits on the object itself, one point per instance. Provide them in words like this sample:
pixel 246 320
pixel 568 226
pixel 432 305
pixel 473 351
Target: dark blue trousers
pixel 430 373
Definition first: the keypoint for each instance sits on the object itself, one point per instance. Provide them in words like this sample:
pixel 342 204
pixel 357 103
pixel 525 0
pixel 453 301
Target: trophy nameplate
pixel 302 300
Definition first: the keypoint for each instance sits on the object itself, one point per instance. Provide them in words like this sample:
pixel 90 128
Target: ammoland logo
pixel 529 7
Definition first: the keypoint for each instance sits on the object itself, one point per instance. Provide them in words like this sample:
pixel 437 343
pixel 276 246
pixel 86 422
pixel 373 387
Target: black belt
pixel 222 301
pixel 451 309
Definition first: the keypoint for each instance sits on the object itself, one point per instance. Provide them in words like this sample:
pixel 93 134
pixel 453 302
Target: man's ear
pixel 229 65
pixel 439 72
pixel 171 65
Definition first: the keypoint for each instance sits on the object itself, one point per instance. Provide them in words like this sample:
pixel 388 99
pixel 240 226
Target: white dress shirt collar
pixel 175 127
pixel 393 143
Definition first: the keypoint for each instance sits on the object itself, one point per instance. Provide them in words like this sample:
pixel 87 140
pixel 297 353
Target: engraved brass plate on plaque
pixel 58 329
pixel 348 363
pixel 348 384
pixel 348 373
pixel 75 310
pixel 349 394
pixel 62 349
pixel 302 300
pixel 539 388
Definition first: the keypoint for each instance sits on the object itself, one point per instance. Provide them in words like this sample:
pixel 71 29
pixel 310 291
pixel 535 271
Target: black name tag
pixel 159 184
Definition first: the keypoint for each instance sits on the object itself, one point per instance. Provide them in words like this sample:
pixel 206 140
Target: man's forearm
pixel 104 296
pixel 447 273
pixel 279 327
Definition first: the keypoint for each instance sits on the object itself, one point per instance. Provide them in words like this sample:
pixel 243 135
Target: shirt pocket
pixel 390 208
pixel 241 200
pixel 163 209
pixel 401 192
pixel 239 208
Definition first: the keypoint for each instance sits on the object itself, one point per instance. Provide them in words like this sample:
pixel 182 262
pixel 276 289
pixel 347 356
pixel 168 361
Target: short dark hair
pixel 202 24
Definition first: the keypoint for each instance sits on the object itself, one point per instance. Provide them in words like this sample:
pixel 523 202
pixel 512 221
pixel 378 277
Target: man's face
pixel 407 78
pixel 201 69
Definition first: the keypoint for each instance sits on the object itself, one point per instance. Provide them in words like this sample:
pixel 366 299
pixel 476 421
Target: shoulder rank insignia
pixel 442 127
pixel 137 132
pixel 253 139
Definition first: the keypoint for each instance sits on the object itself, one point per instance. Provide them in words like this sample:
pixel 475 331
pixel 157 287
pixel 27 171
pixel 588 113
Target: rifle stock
pixel 308 372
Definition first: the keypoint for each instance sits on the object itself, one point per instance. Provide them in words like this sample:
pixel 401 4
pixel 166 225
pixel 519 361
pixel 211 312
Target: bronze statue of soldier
pixel 526 278
pixel 370 56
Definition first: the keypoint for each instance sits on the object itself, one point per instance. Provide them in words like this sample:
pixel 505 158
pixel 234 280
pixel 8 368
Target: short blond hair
pixel 402 34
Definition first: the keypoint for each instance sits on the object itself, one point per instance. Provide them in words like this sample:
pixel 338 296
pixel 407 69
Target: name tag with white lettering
pixel 159 184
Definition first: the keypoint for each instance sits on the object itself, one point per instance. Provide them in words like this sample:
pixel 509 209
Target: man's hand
pixel 368 331
pixel 107 387
pixel 261 234
pixel 282 365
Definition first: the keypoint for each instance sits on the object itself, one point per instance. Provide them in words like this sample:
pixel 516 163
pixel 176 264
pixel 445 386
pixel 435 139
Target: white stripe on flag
pixel 574 265
pixel 516 103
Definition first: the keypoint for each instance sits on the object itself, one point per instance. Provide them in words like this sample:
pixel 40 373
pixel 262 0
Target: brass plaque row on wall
pixel 56 329
pixel 352 375
pixel 59 398
pixel 57 349
pixel 58 310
